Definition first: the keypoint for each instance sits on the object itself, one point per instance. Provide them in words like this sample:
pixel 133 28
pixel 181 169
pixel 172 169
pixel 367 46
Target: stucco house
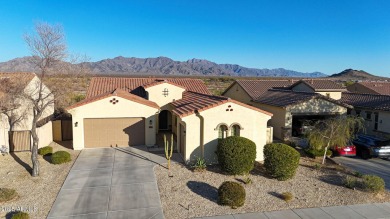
pixel 135 111
pixel 17 137
pixel 291 102
pixel 375 109
pixel 370 87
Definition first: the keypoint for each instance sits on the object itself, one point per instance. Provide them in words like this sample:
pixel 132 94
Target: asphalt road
pixel 375 166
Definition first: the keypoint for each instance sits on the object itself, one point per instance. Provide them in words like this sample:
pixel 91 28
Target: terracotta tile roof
pixel 284 98
pixel 256 88
pixel 369 101
pixel 382 88
pixel 193 102
pixel 101 85
pixel 116 93
pixel 25 77
pixel 320 84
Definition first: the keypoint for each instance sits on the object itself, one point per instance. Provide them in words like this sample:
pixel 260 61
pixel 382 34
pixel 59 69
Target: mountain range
pixel 352 74
pixel 164 66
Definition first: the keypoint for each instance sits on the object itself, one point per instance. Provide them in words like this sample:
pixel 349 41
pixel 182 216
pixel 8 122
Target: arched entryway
pixel 165 120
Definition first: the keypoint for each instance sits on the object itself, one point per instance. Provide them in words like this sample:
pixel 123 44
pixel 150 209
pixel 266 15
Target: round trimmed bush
pixel 7 194
pixel 45 150
pixel 236 155
pixel 20 215
pixel 281 161
pixel 60 157
pixel 372 183
pixel 231 194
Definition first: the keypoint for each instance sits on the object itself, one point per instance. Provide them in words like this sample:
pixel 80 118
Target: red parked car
pixel 347 151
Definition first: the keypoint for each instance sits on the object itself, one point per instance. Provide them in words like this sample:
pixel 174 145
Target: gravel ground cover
pixel 36 194
pixel 191 194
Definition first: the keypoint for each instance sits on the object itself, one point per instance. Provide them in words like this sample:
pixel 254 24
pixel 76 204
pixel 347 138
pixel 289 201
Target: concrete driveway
pixel 110 183
pixel 373 166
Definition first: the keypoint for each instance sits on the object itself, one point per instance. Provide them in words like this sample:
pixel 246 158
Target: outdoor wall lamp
pixel 150 122
pixel 76 124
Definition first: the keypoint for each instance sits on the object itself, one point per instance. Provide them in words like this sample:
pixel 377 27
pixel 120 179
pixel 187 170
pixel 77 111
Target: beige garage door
pixel 114 132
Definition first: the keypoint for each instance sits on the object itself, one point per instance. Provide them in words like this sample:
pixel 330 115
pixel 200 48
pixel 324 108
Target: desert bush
pixel 281 161
pixel 287 196
pixel 350 182
pixel 60 157
pixel 317 166
pixel 231 194
pixel 200 165
pixel 372 183
pixel 45 150
pixel 7 194
pixel 20 215
pixel 358 174
pixel 236 155
pixel 247 181
pixel 313 153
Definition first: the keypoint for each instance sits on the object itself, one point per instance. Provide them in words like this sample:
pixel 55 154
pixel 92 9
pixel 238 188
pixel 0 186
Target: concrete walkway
pixel 110 183
pixel 363 211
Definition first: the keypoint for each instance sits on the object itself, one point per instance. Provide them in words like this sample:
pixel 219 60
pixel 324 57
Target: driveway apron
pixel 108 183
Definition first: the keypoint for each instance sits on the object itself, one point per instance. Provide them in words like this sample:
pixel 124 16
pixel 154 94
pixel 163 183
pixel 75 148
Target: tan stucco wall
pixel 45 134
pixel 278 120
pixel 334 95
pixel 26 107
pixel 155 93
pixel 383 121
pixel 4 128
pixel 237 93
pixel 302 87
pixel 104 109
pixel 253 124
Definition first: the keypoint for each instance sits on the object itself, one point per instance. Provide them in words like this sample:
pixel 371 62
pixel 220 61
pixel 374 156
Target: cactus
pixel 168 152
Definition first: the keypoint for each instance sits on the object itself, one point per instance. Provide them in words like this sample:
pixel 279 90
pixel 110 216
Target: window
pixel 222 131
pixel 368 115
pixel 235 130
pixel 376 115
pixel 358 112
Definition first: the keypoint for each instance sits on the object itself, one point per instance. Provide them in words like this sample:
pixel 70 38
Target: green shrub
pixel 60 157
pixel 358 174
pixel 350 182
pixel 281 161
pixel 20 215
pixel 236 155
pixel 372 183
pixel 7 194
pixel 313 153
pixel 200 165
pixel 287 196
pixel 45 150
pixel 247 181
pixel 231 194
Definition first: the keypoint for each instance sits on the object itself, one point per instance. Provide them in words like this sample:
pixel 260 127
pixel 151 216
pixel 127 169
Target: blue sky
pixel 303 35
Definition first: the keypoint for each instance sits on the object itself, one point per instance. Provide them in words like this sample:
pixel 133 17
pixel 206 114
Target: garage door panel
pixel 114 132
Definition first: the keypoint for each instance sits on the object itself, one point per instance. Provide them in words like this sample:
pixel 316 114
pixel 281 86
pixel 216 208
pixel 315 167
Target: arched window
pixel 222 131
pixel 235 130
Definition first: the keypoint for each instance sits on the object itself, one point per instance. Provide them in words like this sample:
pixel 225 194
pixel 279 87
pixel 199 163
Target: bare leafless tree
pixel 11 92
pixel 48 48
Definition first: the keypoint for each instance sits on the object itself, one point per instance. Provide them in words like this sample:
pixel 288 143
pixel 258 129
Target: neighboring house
pixel 379 87
pixel 135 111
pixel 292 103
pixel 19 135
pixel 375 109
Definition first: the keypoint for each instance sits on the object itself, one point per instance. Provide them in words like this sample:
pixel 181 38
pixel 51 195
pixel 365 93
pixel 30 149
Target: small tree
pixel 337 131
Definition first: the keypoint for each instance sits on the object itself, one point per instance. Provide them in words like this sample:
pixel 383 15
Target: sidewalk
pixel 362 211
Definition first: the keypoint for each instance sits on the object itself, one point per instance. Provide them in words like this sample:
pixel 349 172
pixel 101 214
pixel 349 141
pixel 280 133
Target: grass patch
pixel 287 196
pixel 7 194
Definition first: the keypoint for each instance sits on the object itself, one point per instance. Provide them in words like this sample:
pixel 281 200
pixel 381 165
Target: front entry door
pixel 163 120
